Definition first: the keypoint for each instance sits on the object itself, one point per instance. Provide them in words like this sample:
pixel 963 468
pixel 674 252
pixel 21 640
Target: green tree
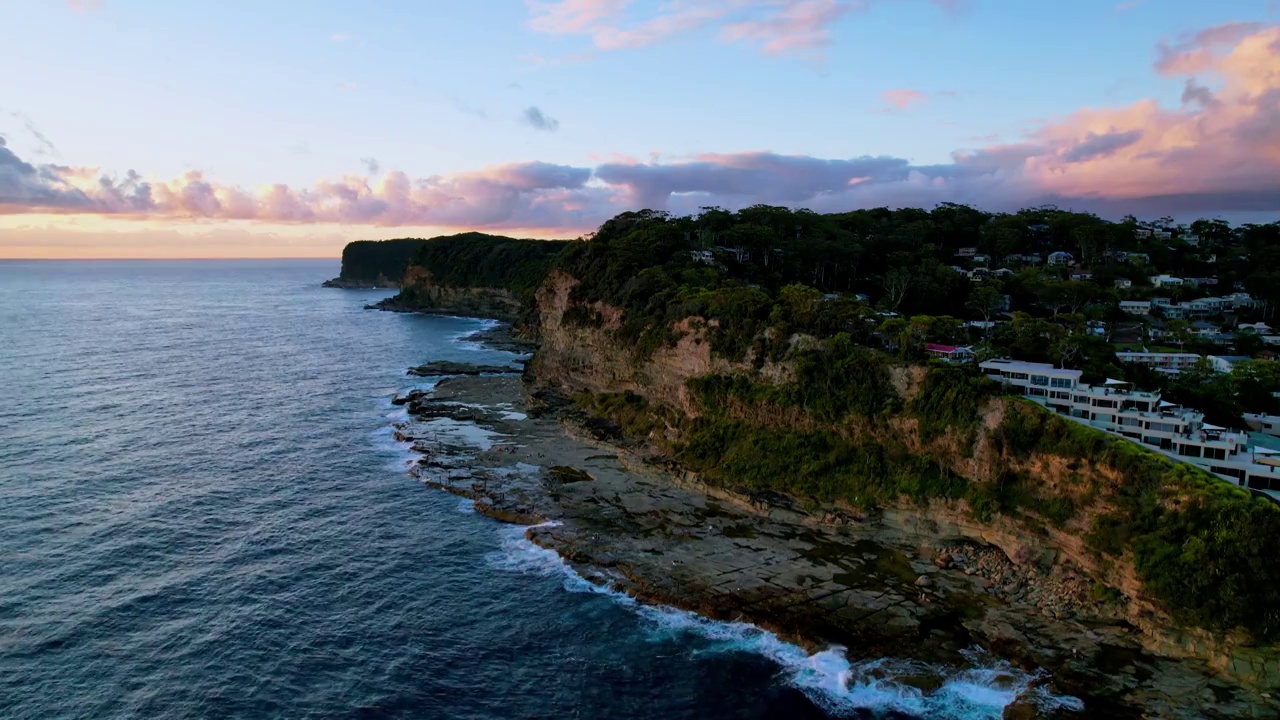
pixel 986 301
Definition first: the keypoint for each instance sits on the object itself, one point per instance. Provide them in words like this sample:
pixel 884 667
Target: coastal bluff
pixel 374 263
pixel 753 387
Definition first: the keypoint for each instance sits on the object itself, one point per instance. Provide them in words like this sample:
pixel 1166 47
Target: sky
pixel 286 129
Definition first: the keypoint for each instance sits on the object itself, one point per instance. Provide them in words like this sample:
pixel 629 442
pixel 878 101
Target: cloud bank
pixel 1218 153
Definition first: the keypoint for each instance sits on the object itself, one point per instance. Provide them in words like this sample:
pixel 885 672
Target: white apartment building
pixel 1116 408
pixel 1162 361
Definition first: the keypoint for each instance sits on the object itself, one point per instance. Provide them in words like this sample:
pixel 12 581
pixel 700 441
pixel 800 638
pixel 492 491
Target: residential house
pixel 1206 307
pixel 1168 310
pixel 1260 328
pixel 1082 275
pixel 1241 300
pixel 1269 424
pixel 981 259
pixel 1205 330
pixel 1138 258
pixel 1024 258
pixel 1136 307
pixel 1061 258
pixel 1201 282
pixel 1003 272
pixel 1143 417
pixel 1165 281
pixel 950 353
pixel 1124 283
pixel 966 252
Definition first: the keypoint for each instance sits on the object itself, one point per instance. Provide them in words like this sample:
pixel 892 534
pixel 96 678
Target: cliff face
pixel 572 358
pixel 575 358
pixel 474 274
pixel 420 291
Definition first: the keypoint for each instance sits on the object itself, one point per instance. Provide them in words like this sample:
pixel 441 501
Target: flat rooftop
pixel 1029 367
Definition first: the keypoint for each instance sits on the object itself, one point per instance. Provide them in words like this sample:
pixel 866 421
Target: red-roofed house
pixel 950 353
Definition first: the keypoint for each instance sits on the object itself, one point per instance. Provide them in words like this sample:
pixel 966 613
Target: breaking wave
pixel 978 691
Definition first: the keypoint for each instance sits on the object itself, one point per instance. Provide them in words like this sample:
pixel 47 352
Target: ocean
pixel 204 514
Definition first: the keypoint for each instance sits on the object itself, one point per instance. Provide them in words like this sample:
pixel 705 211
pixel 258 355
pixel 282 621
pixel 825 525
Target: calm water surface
pixel 203 514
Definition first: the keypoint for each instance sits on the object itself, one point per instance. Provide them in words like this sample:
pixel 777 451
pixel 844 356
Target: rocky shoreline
pixel 624 519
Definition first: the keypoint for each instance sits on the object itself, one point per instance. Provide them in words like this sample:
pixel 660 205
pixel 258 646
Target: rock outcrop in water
pixel 441 368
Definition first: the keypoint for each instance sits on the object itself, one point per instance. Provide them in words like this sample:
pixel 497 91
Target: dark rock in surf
pixel 440 368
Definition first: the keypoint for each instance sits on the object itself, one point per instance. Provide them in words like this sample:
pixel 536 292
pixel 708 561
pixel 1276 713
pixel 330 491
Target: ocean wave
pixel 979 691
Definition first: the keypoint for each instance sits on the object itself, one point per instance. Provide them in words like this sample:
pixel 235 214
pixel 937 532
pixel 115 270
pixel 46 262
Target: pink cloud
pixel 774 26
pixel 796 26
pixel 1198 52
pixel 1218 152
pixel 561 17
pixel 903 98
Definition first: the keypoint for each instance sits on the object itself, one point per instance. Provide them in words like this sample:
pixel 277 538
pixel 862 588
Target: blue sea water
pixel 203 514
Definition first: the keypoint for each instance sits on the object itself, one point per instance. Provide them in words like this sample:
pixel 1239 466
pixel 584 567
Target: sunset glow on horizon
pixel 232 136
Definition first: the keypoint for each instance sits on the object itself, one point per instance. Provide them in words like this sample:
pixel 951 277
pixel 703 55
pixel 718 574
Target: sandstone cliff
pixel 421 291
pixel 1062 498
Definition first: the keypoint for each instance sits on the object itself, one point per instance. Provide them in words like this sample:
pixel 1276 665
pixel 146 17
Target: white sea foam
pixel 979 691
pixel 467 506
pixel 401 453
pixel 460 338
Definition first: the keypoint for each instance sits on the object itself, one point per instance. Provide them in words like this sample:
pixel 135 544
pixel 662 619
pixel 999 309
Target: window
pixel 1060 383
pixel 1233 472
pixel 1106 403
pixel 1215 453
pixel 1083 399
pixel 1040 380
pixel 1162 427
pixel 1131 422
pixel 1056 395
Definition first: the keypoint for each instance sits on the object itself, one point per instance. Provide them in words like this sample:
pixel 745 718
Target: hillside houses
pixel 1117 408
